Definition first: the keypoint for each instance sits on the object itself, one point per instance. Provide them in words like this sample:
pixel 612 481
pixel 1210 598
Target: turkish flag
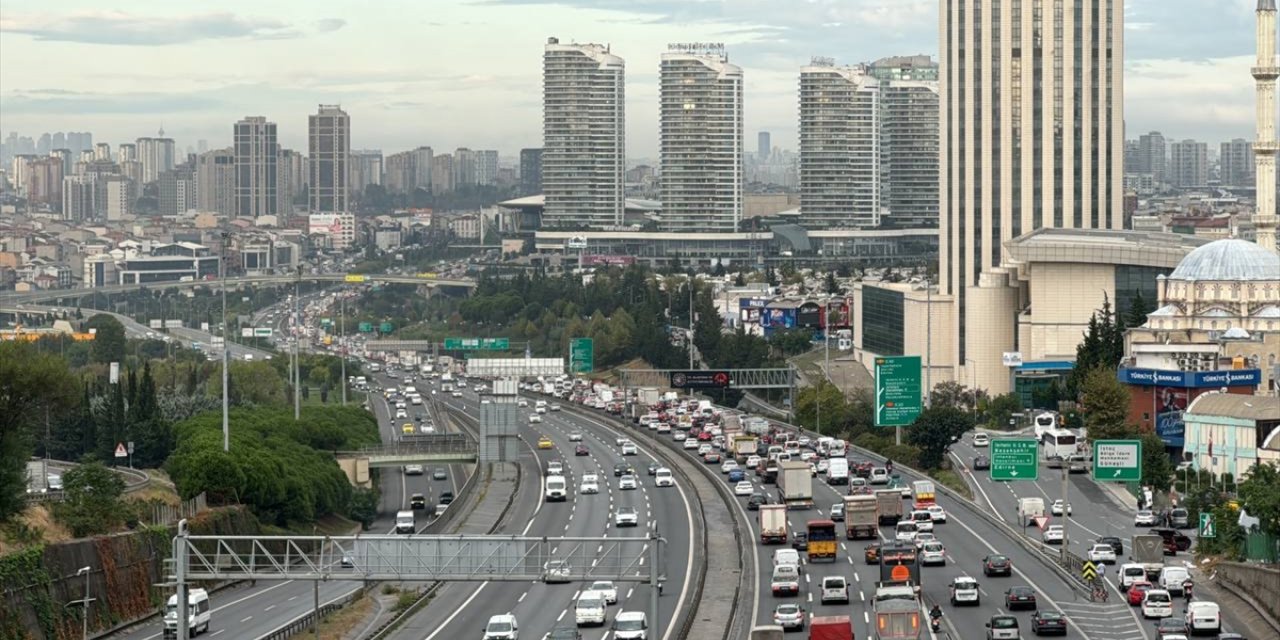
pixel 1210 446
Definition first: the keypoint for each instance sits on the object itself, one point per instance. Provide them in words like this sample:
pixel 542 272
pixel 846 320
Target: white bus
pixel 1058 443
pixel 1045 421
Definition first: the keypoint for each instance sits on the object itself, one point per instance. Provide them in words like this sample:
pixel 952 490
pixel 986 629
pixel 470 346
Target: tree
pixel 832 287
pixel 1102 346
pixel 363 507
pixel 34 387
pixel 739 280
pixel 1001 408
pixel 1157 469
pixel 108 339
pixel 1260 496
pixel 92 503
pixel 1106 406
pixel 1136 316
pixel 953 394
pixel 935 431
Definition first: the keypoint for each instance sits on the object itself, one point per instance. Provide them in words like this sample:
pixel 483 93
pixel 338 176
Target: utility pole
pixel 928 342
pixel 1066 517
pixel 691 322
pixel 342 337
pixel 226 349
pixel 297 368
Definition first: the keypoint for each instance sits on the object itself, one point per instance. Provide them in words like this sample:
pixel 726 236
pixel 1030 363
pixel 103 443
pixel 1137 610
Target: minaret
pixel 1264 150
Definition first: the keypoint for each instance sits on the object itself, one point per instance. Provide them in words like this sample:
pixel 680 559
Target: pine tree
pixel 1138 310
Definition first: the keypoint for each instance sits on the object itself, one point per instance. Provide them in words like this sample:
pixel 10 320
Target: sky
pixel 454 73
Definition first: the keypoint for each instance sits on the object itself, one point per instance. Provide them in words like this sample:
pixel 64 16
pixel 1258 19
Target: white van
pixel 631 625
pixel 1130 573
pixel 905 531
pixel 786 556
pixel 198 615
pixel 1203 616
pixel 502 627
pixel 405 522
pixel 589 609
pixel 557 489
pixel 662 478
pixel 1171 579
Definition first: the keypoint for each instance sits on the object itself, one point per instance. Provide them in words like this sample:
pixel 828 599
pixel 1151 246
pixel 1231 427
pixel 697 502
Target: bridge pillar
pixel 357 470
pixel 500 424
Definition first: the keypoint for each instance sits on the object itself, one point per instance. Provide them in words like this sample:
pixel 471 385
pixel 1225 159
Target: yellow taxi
pixel 545 443
pixel 408 429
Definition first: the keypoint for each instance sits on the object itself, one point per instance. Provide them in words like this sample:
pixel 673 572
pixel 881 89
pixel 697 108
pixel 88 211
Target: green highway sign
pixel 582 355
pixel 1014 459
pixel 1117 460
pixel 387 327
pixel 1208 529
pixel 897 391
pixel 366 327
pixel 481 344
pixel 262 332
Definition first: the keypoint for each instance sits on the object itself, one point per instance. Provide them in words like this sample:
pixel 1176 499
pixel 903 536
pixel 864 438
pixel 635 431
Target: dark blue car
pixel 736 475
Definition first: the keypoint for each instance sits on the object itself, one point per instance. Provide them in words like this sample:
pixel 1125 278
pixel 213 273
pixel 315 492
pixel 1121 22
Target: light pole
pixel 297 368
pixel 342 338
pixel 222 266
pixel 84 623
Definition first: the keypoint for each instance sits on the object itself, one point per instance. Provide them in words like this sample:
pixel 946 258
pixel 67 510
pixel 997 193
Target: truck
pixel 838 472
pixel 889 506
pixel 648 396
pixel 830 628
pixel 897 619
pixel 756 425
pixel 861 517
pixel 1029 509
pixel 773 524
pixel 744 446
pixel 1149 552
pixel 922 492
pixel 795 485
pixel 768 632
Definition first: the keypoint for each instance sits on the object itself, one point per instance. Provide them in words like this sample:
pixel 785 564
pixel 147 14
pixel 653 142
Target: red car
pixel 704 436
pixel 1136 591
pixel 581 450
pixel 711 458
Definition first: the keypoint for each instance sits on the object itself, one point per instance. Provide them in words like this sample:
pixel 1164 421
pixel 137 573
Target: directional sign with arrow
pixel 1089 571
pixel 1014 459
pixel 1117 460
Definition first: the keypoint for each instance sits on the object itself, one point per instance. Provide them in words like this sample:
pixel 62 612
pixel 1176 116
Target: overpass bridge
pixel 350 278
pixel 442 448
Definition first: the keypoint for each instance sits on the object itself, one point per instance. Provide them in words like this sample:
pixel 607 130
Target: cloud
pixel 120 28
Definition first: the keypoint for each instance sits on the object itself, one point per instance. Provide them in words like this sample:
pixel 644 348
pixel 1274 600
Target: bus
pixel 1045 421
pixel 1058 443
pixel 822 540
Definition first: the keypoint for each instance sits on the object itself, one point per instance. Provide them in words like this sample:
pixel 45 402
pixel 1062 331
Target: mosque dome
pixel 1228 260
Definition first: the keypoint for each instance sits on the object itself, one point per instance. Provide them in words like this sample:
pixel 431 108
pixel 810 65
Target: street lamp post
pixel 84 623
pixel 297 368
pixel 342 338
pixel 226 428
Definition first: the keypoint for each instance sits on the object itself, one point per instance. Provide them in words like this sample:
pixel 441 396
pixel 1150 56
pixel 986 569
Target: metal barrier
pixel 307 620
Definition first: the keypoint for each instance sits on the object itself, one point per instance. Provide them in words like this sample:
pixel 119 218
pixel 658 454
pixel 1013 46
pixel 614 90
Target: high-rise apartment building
pixel 399 172
pixel 1153 156
pixel 530 172
pixel 176 191
pixel 127 151
pixel 486 167
pixel 464 167
pixel 442 174
pixel 839 146
pixel 909 140
pixel 700 139
pixel 77 198
pixel 1032 100
pixel 421 158
pixel 156 155
pixel 764 143
pixel 257 158
pixel 1188 164
pixel 114 197
pixel 328 151
pixel 44 183
pixel 215 181
pixel 366 169
pixel 102 151
pixel 583 135
pixel 1236 166
pixel 291 179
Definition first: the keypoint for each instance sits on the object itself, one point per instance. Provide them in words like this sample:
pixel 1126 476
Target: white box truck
pixel 773 524
pixel 795 485
pixel 838 472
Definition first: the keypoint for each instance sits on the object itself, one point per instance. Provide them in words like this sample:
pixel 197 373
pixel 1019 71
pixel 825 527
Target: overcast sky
pixel 450 73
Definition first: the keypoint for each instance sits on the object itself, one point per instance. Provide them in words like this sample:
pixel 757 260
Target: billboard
pixel 699 379
pixel 778 318
pixel 1192 379
pixel 839 315
pixel 749 309
pixel 1171 403
pixel 599 260
pixel 809 315
pixel 325 223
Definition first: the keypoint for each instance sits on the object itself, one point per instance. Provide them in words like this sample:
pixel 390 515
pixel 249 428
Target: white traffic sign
pixel 120 451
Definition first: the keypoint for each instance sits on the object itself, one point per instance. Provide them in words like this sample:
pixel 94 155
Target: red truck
pixel 830 628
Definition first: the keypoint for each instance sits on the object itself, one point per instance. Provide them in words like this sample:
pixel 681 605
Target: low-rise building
pixel 1229 433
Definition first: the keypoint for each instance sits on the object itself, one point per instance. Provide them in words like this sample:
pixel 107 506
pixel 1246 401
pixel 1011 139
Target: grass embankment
pixel 953 481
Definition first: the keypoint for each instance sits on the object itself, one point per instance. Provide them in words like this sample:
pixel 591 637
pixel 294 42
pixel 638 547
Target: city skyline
pixel 1186 66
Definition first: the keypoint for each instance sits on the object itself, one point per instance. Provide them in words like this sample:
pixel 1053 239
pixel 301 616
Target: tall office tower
pixel 530 172
pixel 257 155
pixel 839 146
pixel 64 156
pixel 583 135
pixel 366 169
pixel 126 152
pixel 291 177
pixel 442 174
pixel 328 151
pixel 700 139
pixel 486 167
pixel 77 198
pixel 102 151
pixel 399 172
pixel 422 168
pixel 909 140
pixel 44 183
pixel 176 191
pixel 1265 72
pixel 1153 156
pixel 1188 164
pixel 156 155
pixel 464 167
pixel 1132 163
pixel 1033 136
pixel 44 144
pixel 215 181
pixel 1236 164
pixel 58 141
pixel 764 146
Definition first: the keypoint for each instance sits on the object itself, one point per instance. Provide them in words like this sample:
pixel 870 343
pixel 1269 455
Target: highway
pixel 461 610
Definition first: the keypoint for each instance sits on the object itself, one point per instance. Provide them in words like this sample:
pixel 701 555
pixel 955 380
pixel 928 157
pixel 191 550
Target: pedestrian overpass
pixel 443 448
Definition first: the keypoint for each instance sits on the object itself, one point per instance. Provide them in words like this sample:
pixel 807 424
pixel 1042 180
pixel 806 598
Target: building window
pixel 882 321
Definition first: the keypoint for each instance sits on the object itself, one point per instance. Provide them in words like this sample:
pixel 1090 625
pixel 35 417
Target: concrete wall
pixel 1260 583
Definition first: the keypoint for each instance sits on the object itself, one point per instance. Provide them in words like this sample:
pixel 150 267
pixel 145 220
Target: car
pixel 691 444
pixel 752 462
pixel 555 468
pixel 1203 616
pixel 737 475
pixel 837 512
pixel 556 572
pixel 729 465
pixel 589 485
pixel 629 449
pixel 607 589
pixel 905 531
pixel 1144 518
pixel 743 488
pixel 800 541
pixel 1020 598
pixel 756 499
pixel 522 403
pixel 575 437
pixel 627 483
pixel 1157 603
pixel 1045 623
pixel 555 407
pixel 922 538
pixel 1053 534
pixel 631 625
pixel 823 465
pixel 502 627
pixel 1129 573
pixel 1115 542
pixel 997 565
pixel 1170 629
pixel 879 475
pixel 581 450
pixel 981 440
pixel 923 519
pixel 1058 507
pixel 417 501
pixel 413 470
pixel 681 436
pixel 621 468
pixel 871 553
pixel 1102 553
pixel 458 394
pixel 964 590
pixel 1179 518
pixel 981 463
pixel 662 478
pixel 835 589
pixel 938 514
pixel 545 443
pixel 789 616
pixel 711 457
pixel 535 418
pixel 1137 591
pixel 933 553
pixel 626 517
pixel 785 580
pixel 1003 627
pixel 446 497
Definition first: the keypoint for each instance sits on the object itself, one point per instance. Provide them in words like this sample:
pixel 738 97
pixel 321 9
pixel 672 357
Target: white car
pixel 590 484
pixel 622 440
pixel 905 531
pixel 456 393
pixel 981 440
pixel 1058 507
pixel 502 627
pixel 556 407
pixel 806 456
pixel 627 482
pixel 680 436
pixel 924 537
pixel 933 553
pixel 541 410
pixel 664 427
pixel 691 444
pixel 1203 616
pixel 662 478
pixel 1054 534
pixel 803 441
pixel 1144 518
pixel 1157 603
pixel 1102 553
pixel 743 488
pixel 788 616
pixel 607 589
pixel 626 517
pixel 729 465
pixel 752 462
pixel 704 448
pixel 522 403
pixel 401 413
pixel 575 437
pixel 629 449
pixel 413 470
pixel 938 514
pixel 823 465
pixel 534 418
pixel 879 475
pixel 923 520
pixel 965 590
